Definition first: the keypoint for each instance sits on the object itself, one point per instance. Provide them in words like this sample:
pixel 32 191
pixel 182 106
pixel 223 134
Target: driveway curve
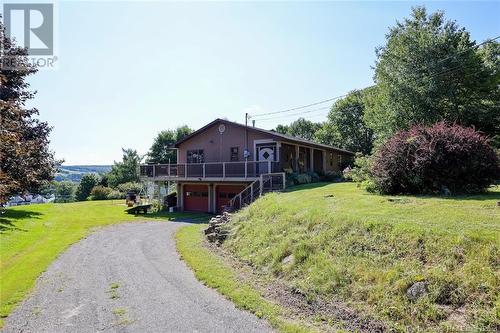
pixel 127 278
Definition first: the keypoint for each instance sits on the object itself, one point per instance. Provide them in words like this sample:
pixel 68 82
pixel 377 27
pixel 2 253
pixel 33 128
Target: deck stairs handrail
pixel 269 182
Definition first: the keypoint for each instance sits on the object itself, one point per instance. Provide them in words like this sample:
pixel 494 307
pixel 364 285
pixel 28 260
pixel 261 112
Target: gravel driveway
pixel 127 278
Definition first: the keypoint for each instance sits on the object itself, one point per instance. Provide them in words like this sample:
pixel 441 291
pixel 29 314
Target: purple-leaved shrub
pixel 441 158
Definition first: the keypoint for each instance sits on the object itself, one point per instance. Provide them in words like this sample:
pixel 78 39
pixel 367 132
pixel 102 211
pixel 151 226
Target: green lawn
pixel 338 241
pixel 31 237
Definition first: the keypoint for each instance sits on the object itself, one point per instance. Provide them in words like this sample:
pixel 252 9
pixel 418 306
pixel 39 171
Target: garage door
pixel 226 193
pixel 196 198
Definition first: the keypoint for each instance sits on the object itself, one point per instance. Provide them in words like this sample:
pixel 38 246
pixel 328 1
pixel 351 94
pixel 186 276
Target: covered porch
pixel 298 158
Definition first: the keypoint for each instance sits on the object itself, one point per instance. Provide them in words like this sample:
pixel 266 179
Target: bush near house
pixel 441 158
pixel 100 192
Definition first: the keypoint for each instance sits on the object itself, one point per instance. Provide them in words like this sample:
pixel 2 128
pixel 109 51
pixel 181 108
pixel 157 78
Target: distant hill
pixel 74 173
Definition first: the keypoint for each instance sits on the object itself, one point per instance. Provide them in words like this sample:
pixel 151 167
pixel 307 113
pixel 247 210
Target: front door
pixel 265 154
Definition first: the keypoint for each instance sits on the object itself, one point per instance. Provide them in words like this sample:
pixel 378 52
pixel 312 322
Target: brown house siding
pixel 217 147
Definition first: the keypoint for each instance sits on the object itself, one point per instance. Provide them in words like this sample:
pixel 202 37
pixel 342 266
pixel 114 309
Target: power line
pixel 299 113
pixel 292 117
pixel 299 107
pixel 447 71
pixel 489 40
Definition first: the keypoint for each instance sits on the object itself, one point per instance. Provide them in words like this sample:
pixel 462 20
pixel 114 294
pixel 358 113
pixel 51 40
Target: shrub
pixel 314 176
pixel 439 158
pixel 64 191
pixel 114 194
pixel 361 173
pixel 100 192
pixel 303 178
pixel 130 186
pixel 333 176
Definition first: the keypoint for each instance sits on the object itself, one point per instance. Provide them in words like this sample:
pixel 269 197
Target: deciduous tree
pixel 160 152
pixel 300 128
pixel 26 162
pixel 126 170
pixel 345 127
pixel 86 184
pixel 430 70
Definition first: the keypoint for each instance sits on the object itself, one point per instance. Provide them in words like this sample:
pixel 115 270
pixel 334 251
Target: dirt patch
pixel 326 315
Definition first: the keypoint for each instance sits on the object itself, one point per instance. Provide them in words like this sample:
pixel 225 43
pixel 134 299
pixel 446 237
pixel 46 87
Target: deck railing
pixel 247 169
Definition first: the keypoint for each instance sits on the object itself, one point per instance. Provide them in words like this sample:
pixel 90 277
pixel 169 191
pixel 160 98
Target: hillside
pixel 336 243
pixel 74 173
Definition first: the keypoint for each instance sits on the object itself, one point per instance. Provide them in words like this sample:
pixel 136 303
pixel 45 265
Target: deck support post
pixel 203 170
pixel 251 192
pixel 185 171
pixel 246 169
pixel 154 171
pixel 284 180
pixel 223 170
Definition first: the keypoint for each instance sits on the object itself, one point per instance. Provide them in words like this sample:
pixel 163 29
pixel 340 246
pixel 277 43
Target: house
pixel 220 160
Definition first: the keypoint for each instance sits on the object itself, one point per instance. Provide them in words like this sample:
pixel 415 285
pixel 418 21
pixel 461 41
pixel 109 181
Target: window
pixel 197 194
pixel 195 156
pixel 234 154
pixel 331 159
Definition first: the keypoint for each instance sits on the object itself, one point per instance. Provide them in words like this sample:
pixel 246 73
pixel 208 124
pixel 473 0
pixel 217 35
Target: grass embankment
pixel 211 270
pixel 31 237
pixel 335 241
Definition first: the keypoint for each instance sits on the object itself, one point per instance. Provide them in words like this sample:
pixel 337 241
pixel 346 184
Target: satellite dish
pixel 222 128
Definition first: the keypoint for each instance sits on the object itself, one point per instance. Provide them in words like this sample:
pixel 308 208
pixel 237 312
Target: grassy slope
pixel 212 271
pixel 31 237
pixel 368 249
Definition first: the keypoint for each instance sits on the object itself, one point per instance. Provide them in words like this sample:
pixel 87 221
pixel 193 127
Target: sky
pixel 128 70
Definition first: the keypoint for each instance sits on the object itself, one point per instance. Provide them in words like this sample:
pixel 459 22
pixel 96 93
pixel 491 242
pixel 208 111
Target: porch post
pixel 169 169
pixel 311 156
pixel 296 158
pixel 180 196
pixel 324 161
pixel 203 170
pixel 246 169
pixel 223 170
pixel 185 171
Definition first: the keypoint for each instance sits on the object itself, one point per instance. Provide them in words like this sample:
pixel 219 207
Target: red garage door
pixel 196 198
pixel 226 193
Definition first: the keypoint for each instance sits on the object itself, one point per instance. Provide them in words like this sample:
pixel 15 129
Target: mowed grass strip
pixel 336 241
pixel 214 273
pixel 31 237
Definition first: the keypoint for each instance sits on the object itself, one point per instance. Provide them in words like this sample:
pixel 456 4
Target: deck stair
pixel 269 182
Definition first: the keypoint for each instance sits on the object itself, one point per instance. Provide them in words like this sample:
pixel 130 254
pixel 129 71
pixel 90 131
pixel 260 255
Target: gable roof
pixel 272 133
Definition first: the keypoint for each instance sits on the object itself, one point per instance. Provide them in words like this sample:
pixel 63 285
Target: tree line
pixel 429 70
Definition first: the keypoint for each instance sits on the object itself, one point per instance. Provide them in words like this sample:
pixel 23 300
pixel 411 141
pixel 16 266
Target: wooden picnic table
pixel 138 209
